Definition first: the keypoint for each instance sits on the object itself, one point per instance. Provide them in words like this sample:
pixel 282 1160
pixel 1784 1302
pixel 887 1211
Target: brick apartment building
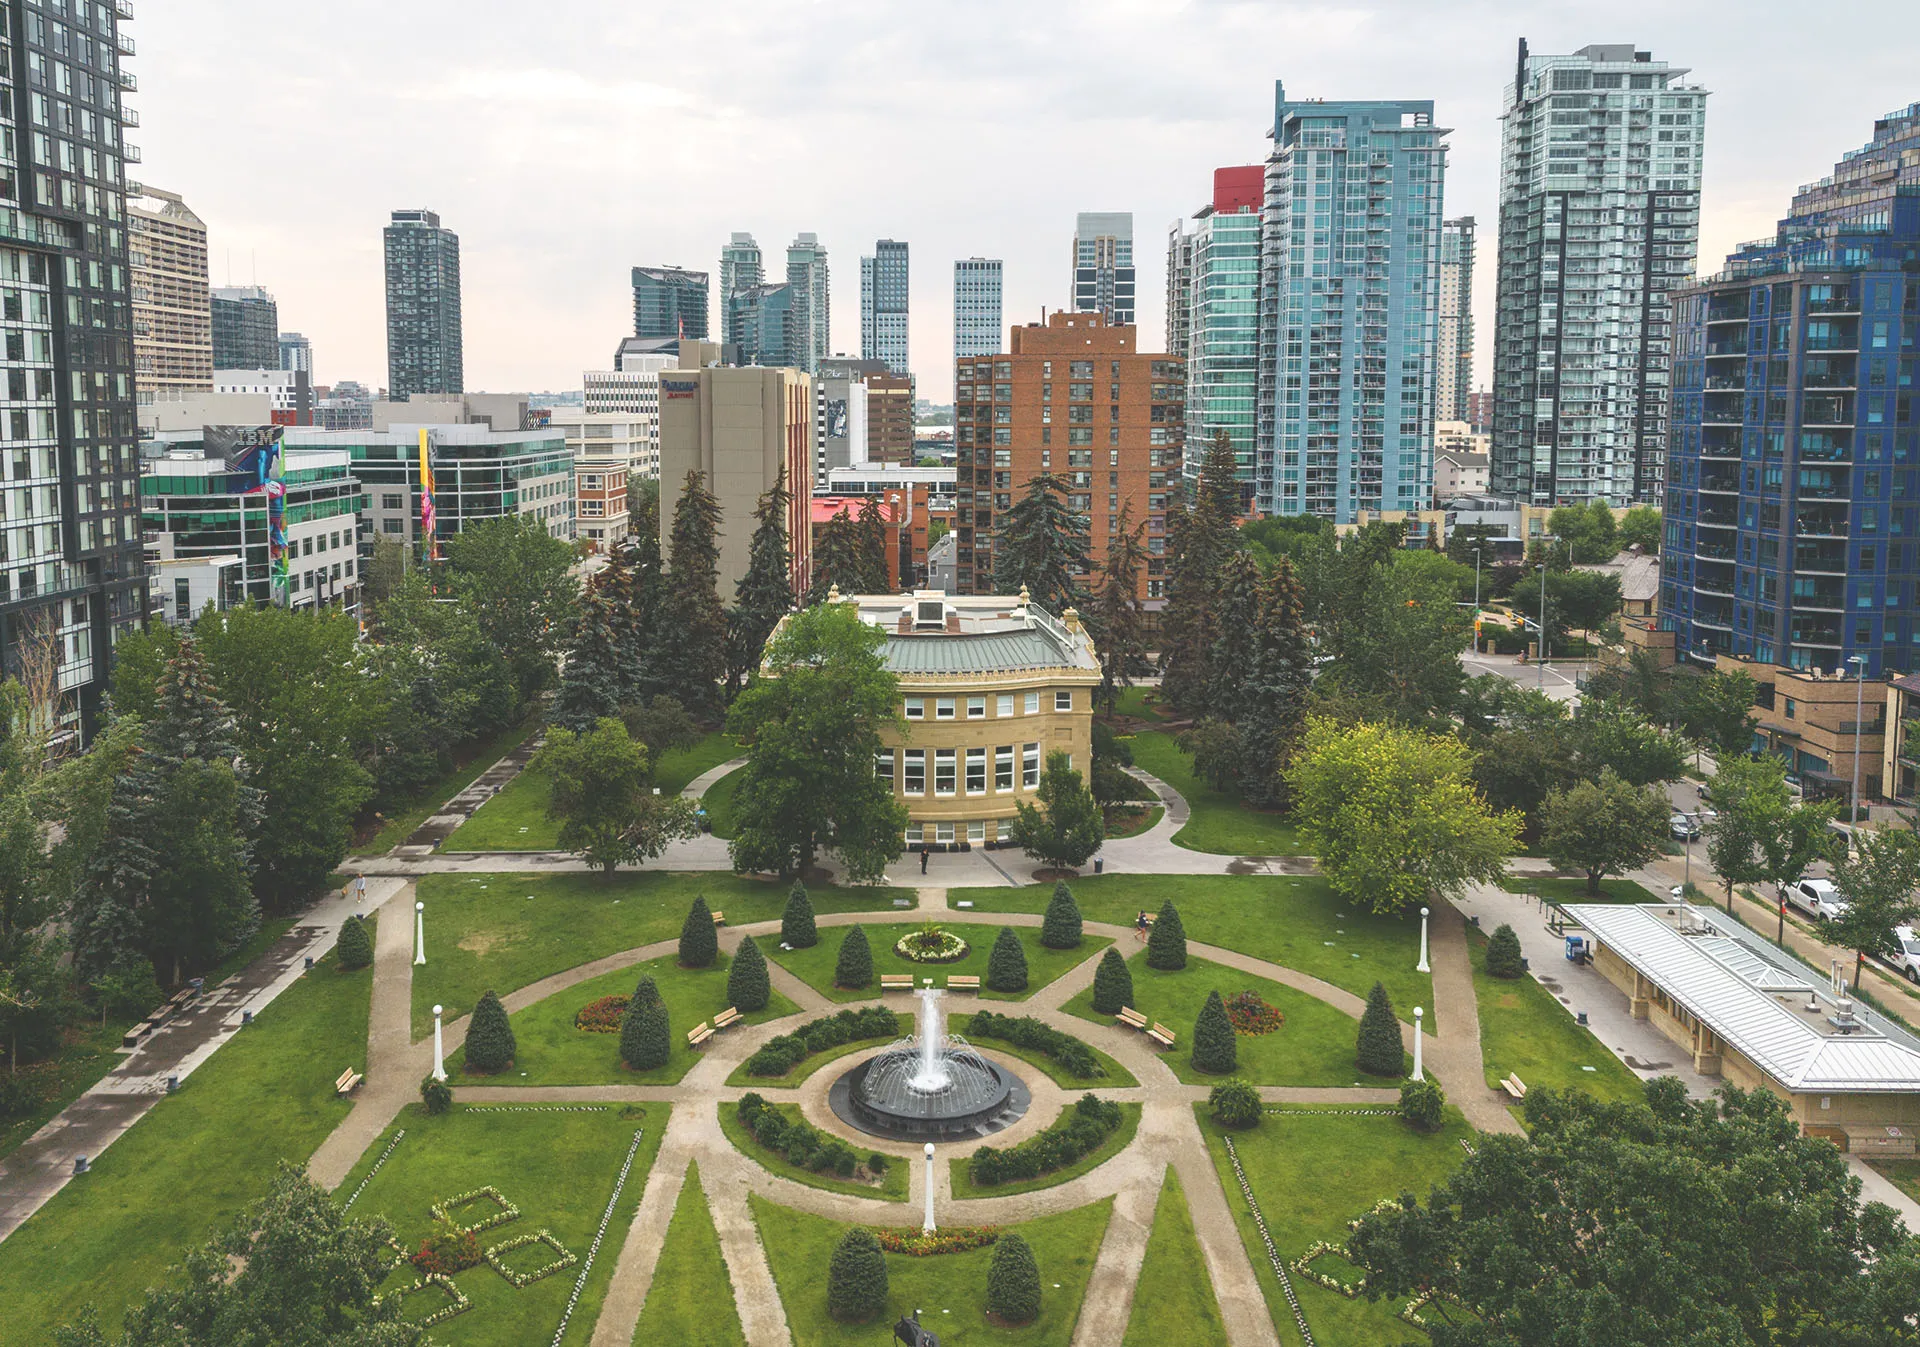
pixel 1074 398
pixel 889 418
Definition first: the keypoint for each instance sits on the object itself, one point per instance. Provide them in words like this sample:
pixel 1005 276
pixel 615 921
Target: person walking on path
pixel 359 888
pixel 925 851
pixel 1140 925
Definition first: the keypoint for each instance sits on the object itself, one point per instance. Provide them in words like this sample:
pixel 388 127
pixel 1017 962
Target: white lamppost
pixel 926 1226
pixel 1476 600
pixel 419 933
pixel 1423 966
pixel 440 1054
pixel 1853 808
pixel 1417 1014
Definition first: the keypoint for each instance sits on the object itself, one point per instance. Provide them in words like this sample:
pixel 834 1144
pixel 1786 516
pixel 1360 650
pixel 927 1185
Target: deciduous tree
pixel 603 797
pixel 1605 827
pixel 1880 881
pixel 518 581
pixel 1064 828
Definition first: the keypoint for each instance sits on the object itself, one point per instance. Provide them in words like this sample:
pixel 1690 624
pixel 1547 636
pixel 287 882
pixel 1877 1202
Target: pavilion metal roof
pixel 975 653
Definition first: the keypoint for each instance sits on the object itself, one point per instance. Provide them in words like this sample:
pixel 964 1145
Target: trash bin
pixel 1098 865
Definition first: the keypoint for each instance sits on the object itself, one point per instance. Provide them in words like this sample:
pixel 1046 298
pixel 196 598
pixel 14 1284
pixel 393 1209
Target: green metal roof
pixel 990 652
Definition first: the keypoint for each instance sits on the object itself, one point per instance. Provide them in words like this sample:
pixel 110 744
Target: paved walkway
pixel 425 839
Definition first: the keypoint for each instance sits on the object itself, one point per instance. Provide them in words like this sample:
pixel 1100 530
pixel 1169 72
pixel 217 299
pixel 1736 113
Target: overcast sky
pixel 570 141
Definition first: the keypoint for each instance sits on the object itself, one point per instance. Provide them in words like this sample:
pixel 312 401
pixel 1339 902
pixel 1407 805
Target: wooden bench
pixel 719 919
pixel 726 1017
pixel 896 982
pixel 962 982
pixel 1130 1017
pixel 134 1036
pixel 347 1081
pixel 1161 1035
pixel 699 1034
pixel 1515 1087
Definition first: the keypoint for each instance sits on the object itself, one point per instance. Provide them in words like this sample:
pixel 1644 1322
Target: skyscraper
pixel 72 576
pixel 1219 330
pixel 1179 317
pixel 1103 265
pixel 1790 521
pixel 883 306
pixel 1346 374
pixel 246 328
pixel 1599 220
pixel 423 306
pixel 172 302
pixel 670 303
pixel 769 325
pixel 812 301
pixel 976 307
pixel 1456 320
pixel 296 352
pixel 740 269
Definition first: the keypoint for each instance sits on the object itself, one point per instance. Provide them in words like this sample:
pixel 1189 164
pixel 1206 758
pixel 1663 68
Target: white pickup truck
pixel 1815 897
pixel 1907 961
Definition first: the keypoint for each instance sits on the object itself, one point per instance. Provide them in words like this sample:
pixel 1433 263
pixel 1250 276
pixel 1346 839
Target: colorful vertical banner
pixel 253 453
pixel 430 544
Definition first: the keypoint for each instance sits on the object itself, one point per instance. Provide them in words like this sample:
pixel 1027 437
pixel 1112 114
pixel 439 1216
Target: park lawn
pixel 1220 824
pixel 1315 1046
pixel 505 931
pixel 470 764
pixel 1117 1141
pixel 1134 702
pixel 1312 1171
pixel 891 1188
pixel 1902 1174
pixel 691 1298
pixel 1525 1029
pixel 1132 821
pixel 193 1162
pixel 1573 889
pixel 949 1290
pixel 549 1050
pixel 557 1167
pixel 1117 1076
pixel 678 768
pixel 1292 920
pixel 718 802
pixel 1173 1296
pixel 799 1071
pixel 815 964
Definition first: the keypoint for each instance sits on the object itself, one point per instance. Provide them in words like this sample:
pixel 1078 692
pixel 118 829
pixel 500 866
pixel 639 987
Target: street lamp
pixel 1859 684
pixel 1476 600
pixel 1546 555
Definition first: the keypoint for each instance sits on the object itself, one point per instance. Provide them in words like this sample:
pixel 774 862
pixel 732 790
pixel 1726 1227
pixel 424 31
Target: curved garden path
pixel 1168 1133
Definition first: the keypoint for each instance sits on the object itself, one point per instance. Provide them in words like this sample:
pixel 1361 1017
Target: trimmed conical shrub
pixel 354 948
pixel 1061 929
pixel 1378 1052
pixel 1167 946
pixel 1112 984
pixel 857 1277
pixel 490 1045
pixel 797 930
pixel 854 968
pixel 747 985
pixel 646 1038
pixel 1214 1048
pixel 1013 1281
pixel 1007 963
pixel 646 992
pixel 1503 953
pixel 699 946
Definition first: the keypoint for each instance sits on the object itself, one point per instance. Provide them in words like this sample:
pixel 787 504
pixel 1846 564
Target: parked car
pixel 1684 827
pixel 1815 897
pixel 1908 959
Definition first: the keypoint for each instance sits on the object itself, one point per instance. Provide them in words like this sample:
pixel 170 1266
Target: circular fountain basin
pixel 893 1095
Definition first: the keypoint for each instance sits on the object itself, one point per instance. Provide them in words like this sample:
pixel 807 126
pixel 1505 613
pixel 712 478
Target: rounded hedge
pixel 436 1096
pixel 354 948
pixel 857 1277
pixel 1421 1104
pixel 1013 1281
pixel 1234 1103
pixel 1503 953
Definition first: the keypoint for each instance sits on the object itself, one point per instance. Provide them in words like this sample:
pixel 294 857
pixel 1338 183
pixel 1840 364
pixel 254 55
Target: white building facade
pixel 976 307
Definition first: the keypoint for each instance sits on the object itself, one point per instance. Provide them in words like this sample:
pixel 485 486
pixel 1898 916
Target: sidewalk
pixel 429 835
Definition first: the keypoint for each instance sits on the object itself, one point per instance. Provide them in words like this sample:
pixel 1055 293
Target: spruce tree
pixel 765 593
pixel 1112 984
pixel 1215 1050
pixel 836 559
pixel 1040 545
pixel 797 930
pixel 591 681
pixel 490 1044
pixel 1239 593
pixel 1167 944
pixel 1118 619
pixel 1198 542
pixel 699 946
pixel 646 1038
pixel 1013 1281
pixel 748 987
pixel 871 540
pixel 634 587
pixel 857 1277
pixel 854 968
pixel 354 948
pixel 1378 1052
pixel 1007 963
pixel 1503 953
pixel 1061 928
pixel 1271 714
pixel 690 634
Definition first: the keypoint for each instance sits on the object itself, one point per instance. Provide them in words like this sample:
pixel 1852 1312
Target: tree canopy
pixel 603 796
pixel 1040 545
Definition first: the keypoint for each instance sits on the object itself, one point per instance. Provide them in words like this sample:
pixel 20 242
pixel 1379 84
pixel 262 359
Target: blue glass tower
pixel 1793 498
pixel 1349 308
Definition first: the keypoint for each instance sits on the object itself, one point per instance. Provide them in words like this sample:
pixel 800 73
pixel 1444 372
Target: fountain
pixel 932 1084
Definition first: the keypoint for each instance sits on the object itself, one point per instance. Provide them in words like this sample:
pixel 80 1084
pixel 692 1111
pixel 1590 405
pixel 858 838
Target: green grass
pixel 1131 822
pixel 549 1050
pixel 891 1188
pixel 1524 1029
pixel 483 931
pixel 1134 702
pixel 1573 889
pixel 1315 1045
pixel 678 769
pixel 718 802
pixel 1294 921
pixel 1122 1136
pixel 1220 824
pixel 1173 1297
pixel 1313 1172
pixel 1902 1174
pixel 193 1162
pixel 691 1298
pixel 949 1290
pixel 1117 1076
pixel 814 966
pixel 558 1168
pixel 473 762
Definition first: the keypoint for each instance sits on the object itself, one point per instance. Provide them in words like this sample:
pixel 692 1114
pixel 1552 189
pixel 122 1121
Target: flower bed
pixel 931 944
pixel 503 1212
pixel 1266 1238
pixel 457 1302
pixel 781 1054
pixel 593 1251
pixel 447 1250
pixel 1024 1031
pixel 1321 1248
pixel 603 1016
pixel 918 1244
pixel 1079 1133
pixel 1252 1016
pixel 361 1187
pixel 496 1258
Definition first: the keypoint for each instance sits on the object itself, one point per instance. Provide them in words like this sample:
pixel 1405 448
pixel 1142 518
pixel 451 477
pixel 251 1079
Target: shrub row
pixel 1026 1032
pixel 803 1147
pixel 1079 1133
pixel 781 1054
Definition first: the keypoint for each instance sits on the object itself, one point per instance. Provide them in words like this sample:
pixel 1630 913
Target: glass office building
pixel 424 351
pixel 1222 334
pixel 669 303
pixel 883 306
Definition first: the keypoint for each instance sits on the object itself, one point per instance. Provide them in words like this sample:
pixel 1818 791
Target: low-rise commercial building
pixel 1818 724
